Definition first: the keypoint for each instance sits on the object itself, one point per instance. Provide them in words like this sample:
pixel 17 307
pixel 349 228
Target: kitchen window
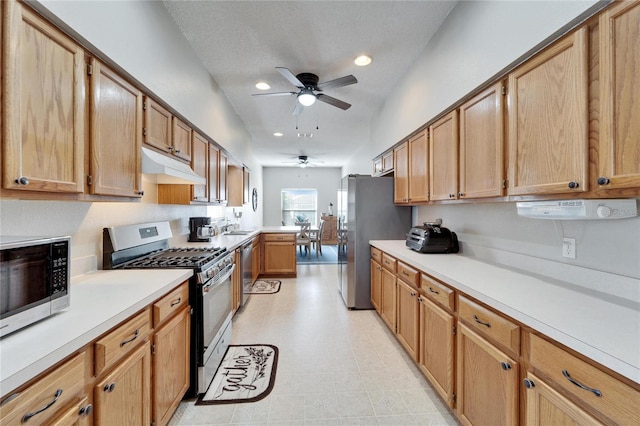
pixel 299 205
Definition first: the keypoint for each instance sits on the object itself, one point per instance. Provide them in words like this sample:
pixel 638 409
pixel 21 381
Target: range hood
pixel 166 170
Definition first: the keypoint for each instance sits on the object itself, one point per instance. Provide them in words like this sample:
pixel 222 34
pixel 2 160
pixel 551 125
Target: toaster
pixel 432 238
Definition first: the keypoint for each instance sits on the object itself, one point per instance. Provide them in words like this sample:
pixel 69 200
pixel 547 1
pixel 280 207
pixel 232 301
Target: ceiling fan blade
pixel 333 101
pixel 338 82
pixel 274 94
pixel 298 109
pixel 289 76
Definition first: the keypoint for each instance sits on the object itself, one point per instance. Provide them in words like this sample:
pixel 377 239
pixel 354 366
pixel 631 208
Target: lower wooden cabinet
pixel 171 348
pixel 376 284
pixel 388 299
pixel 79 414
pixel 236 281
pixel 123 396
pixel 256 257
pixel 407 318
pixel 546 406
pixel 437 348
pixel 279 254
pixel 487 382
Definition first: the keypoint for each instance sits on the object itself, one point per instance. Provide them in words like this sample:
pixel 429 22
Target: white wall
pixel 478 39
pixel 141 38
pixel 325 180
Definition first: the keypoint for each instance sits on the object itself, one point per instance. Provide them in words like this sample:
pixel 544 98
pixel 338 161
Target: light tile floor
pixel 335 366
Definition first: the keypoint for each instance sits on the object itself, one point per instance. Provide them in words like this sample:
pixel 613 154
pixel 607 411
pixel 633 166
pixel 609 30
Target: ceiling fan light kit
pixel 307 85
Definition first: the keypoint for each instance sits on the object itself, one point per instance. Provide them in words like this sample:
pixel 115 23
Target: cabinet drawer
pixel 279 237
pixel 617 401
pixel 171 303
pixel 121 340
pixel 491 324
pixel 389 262
pixel 376 254
pixel 409 275
pixel 55 390
pixel 438 292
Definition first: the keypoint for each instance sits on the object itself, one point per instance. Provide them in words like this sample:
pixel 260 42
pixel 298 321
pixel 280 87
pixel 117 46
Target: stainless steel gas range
pixel 210 289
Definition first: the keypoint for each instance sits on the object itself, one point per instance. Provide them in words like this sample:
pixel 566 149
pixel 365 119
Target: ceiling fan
pixel 303 161
pixel 308 86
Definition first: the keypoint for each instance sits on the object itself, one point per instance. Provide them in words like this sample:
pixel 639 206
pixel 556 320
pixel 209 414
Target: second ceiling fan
pixel 308 86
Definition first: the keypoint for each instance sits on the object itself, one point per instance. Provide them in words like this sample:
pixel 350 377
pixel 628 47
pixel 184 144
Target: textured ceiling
pixel 241 43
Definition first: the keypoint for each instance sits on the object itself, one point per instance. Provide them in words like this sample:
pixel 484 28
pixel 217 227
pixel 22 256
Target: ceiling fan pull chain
pixel 317 117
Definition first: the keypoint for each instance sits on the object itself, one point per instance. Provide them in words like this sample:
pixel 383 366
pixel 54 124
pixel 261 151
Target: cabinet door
pixel 388 304
pixel 487 385
pixel 116 134
pixel 78 414
pixel 223 166
pixel 482 145
pixel 443 156
pixel 123 397
pixel 419 168
pixel 170 366
pixel 214 166
pixel 546 406
pixel 255 259
pixel 236 281
pixel 181 136
pixel 548 131
pixel 408 313
pixel 246 187
pixel 44 84
pixel 436 354
pixel 157 125
pixel 401 174
pixel 619 150
pixel 376 284
pixel 279 258
pixel 200 165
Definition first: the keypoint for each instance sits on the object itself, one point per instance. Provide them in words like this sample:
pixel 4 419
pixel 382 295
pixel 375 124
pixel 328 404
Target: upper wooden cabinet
pixel 547 109
pixel 482 145
pixel 200 165
pixel 157 125
pixel 619 147
pixel 443 158
pixel 237 185
pixel 411 168
pixel 383 164
pixel 43 105
pixel 181 136
pixel 401 177
pixel 116 135
pixel 165 132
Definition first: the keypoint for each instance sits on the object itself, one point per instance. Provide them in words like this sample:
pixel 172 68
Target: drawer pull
pixel 176 302
pixel 505 366
pixel 27 416
pixel 433 291
pixel 405 273
pixel 596 392
pixel 475 317
pixel 135 336
pixel 86 411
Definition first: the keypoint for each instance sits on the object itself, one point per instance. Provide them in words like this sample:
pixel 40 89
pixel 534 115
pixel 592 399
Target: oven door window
pixel 24 279
pixel 217 304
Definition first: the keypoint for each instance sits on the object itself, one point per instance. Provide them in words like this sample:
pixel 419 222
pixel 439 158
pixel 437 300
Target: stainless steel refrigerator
pixel 365 212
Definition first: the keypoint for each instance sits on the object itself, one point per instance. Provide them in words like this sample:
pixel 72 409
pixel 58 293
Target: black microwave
pixel 34 280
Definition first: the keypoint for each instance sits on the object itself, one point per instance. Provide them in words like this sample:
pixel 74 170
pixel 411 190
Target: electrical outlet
pixel 569 248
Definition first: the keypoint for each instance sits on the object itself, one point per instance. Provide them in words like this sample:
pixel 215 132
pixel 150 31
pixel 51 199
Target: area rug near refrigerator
pixel 247 373
pixel 265 287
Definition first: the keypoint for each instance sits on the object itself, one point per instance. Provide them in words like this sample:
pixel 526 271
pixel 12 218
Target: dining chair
pixel 316 238
pixel 304 237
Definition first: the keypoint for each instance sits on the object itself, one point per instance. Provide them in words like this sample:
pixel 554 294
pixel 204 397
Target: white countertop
pixel 602 327
pixel 99 301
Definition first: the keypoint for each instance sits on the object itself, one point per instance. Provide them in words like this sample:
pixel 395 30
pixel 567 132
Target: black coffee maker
pixel 194 224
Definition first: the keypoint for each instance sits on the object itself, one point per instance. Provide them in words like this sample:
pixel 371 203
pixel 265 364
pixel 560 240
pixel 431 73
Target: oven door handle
pixel 207 288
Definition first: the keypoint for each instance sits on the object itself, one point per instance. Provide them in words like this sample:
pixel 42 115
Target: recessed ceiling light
pixel 262 85
pixel 362 60
pixel 278 134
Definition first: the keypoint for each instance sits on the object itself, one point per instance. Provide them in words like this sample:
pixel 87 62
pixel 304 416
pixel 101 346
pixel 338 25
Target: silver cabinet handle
pixel 27 416
pixel 135 336
pixel 595 391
